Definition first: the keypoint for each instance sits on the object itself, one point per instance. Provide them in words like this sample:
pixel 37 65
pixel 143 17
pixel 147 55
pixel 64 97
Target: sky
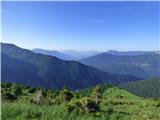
pixel 81 25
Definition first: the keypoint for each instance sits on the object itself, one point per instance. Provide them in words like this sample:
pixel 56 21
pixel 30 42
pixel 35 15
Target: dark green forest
pixel 149 88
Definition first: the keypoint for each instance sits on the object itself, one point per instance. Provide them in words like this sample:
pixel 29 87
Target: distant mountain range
pixel 54 53
pixel 76 55
pixel 26 67
pixel 80 54
pixel 66 54
pixel 129 53
pixel 140 64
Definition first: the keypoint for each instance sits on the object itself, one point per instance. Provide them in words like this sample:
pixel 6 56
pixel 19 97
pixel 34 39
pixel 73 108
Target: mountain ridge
pixel 54 53
pixel 57 73
pixel 146 65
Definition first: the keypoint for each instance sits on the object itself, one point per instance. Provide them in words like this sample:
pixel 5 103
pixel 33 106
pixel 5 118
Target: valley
pixel 40 86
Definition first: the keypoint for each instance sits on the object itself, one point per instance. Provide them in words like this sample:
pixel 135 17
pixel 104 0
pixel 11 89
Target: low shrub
pixel 8 96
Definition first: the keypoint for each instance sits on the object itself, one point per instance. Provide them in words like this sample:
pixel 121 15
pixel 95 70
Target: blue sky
pixel 81 25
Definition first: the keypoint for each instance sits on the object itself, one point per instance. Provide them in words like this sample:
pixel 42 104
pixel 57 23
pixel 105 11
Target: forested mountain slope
pixel 23 66
pixel 144 66
pixel 149 88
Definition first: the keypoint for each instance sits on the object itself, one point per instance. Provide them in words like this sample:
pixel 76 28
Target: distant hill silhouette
pixel 80 54
pixel 54 53
pixel 128 53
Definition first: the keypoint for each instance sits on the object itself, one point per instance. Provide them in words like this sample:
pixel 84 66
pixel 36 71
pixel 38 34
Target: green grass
pixel 126 106
pixel 22 111
pixel 116 104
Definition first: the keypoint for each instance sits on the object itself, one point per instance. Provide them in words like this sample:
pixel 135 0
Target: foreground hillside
pixel 98 103
pixel 149 88
pixel 25 67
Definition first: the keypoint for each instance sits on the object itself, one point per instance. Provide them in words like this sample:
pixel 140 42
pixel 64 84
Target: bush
pixel 31 90
pixel 96 94
pixel 89 105
pixel 39 98
pixel 8 96
pixel 83 104
pixel 17 91
pixel 64 96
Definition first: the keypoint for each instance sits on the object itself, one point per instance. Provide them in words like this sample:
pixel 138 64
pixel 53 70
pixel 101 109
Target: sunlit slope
pixel 115 104
pixel 120 104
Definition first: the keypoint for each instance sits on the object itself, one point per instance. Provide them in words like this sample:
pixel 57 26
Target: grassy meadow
pixel 97 103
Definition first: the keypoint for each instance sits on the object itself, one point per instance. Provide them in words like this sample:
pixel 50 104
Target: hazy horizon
pixel 82 26
pixel 64 50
